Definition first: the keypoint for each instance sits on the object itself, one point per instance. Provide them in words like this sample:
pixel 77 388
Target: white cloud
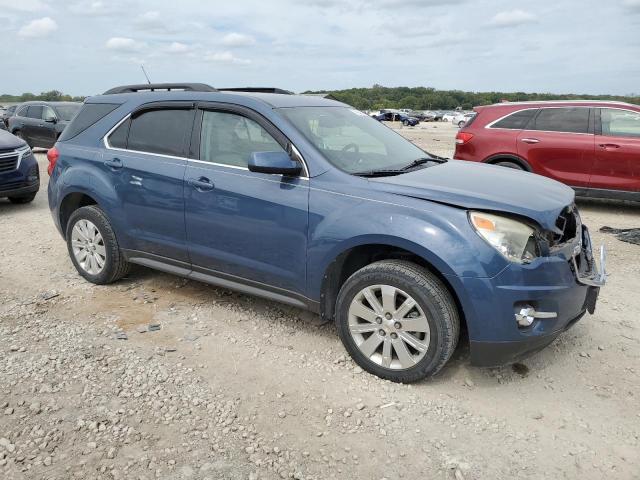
pixel 177 47
pixel 226 57
pixel 93 8
pixel 238 40
pixel 124 45
pixel 151 21
pixel 24 5
pixel 39 28
pixel 511 18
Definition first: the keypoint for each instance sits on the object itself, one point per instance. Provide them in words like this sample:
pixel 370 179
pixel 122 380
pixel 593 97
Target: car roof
pixel 274 100
pixel 542 103
pixel 45 102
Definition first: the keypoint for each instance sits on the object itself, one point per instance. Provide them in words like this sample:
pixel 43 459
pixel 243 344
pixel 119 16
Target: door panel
pixel 558 143
pixel 617 145
pixel 241 223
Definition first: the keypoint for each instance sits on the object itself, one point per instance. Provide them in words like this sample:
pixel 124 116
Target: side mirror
pixel 278 163
pixel 51 119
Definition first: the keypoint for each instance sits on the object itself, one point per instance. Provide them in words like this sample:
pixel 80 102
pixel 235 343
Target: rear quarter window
pixel 87 116
pixel 516 120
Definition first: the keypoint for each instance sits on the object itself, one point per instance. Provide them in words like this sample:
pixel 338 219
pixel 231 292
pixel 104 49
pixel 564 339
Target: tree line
pixel 426 98
pixel 50 96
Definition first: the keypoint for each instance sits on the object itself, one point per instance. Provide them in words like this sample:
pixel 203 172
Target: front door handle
pixel 202 184
pixel 114 163
pixel 530 140
pixel 609 145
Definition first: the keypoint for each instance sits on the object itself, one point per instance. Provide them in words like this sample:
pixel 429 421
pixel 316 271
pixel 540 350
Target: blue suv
pixel 19 174
pixel 310 202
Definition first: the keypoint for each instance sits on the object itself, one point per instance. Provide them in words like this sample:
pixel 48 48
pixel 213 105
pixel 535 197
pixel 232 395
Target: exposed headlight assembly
pixel 513 239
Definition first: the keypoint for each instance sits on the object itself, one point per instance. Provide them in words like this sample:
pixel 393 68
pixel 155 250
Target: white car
pixel 447 117
pixel 462 118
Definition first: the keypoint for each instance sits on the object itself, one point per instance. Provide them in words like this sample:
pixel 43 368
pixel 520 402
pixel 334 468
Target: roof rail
pixel 257 90
pixel 151 87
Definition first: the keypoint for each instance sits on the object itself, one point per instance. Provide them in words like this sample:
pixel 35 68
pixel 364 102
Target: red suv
pixel 593 146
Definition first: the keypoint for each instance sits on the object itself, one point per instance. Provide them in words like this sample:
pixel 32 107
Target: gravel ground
pixel 159 377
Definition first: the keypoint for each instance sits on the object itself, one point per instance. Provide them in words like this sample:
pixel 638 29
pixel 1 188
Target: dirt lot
pixel 233 387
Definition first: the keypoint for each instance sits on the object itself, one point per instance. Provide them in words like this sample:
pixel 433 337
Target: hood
pixel 484 187
pixel 9 141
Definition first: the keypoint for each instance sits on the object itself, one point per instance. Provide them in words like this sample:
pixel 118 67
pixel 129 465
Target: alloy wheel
pixel 88 247
pixel 389 327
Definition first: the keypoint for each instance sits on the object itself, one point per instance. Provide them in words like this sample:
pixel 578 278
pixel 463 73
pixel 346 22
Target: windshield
pixel 67 112
pixel 353 141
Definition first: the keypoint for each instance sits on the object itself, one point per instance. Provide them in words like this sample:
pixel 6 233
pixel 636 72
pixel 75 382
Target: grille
pixel 12 185
pixel 8 163
pixel 567 222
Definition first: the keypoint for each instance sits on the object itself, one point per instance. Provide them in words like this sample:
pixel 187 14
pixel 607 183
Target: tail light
pixel 52 156
pixel 463 137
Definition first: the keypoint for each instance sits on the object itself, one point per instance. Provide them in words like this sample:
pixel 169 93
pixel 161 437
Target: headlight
pixel 513 239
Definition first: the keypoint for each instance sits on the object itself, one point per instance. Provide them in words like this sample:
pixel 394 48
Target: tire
pixel 508 164
pixel 406 123
pixel 21 200
pixel 435 309
pixel 461 123
pixel 114 265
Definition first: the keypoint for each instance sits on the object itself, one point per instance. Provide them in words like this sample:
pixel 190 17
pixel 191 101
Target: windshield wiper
pixel 421 161
pixel 379 173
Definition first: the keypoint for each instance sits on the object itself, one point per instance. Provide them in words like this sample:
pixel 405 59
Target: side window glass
pixel 517 120
pixel 160 131
pixel 35 111
pixel 47 112
pixel 118 138
pixel 230 139
pixel 22 112
pixel 572 120
pixel 620 123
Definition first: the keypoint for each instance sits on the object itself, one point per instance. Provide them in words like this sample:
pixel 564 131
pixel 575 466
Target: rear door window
pixel 620 123
pixel 517 120
pixel 34 111
pixel 570 120
pixel 162 131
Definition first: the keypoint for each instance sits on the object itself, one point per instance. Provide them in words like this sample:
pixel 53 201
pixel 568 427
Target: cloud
pixel 93 8
pixel 234 39
pixel 39 28
pixel 124 45
pixel 226 57
pixel 151 21
pixel 24 5
pixel 178 48
pixel 633 5
pixel 512 18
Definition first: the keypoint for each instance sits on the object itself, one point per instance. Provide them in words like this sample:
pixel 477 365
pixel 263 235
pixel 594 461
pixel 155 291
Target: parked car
pixel 462 118
pixel 397 117
pixel 307 201
pixel 19 174
pixel 449 116
pixel 41 123
pixel 6 113
pixel 591 146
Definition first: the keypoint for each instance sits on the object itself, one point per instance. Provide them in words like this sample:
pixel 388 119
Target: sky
pixel 86 47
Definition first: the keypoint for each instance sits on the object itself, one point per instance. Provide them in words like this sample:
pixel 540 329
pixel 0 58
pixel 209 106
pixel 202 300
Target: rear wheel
pixel 397 320
pixel 23 199
pixel 508 164
pixel 93 246
pixel 461 123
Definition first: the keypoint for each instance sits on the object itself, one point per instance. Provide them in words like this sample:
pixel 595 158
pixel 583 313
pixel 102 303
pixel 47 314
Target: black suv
pixel 19 174
pixel 41 123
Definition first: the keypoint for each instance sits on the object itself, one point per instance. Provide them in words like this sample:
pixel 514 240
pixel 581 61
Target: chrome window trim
pixel 107 146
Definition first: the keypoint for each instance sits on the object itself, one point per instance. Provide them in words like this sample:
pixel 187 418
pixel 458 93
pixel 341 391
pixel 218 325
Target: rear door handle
pixel 202 184
pixel 114 163
pixel 530 140
pixel 609 145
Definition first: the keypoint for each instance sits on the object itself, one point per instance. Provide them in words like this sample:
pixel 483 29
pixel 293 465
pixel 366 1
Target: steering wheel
pixel 351 146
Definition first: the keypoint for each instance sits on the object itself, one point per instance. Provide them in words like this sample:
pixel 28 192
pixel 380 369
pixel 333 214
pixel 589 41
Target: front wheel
pixel 405 123
pixel 93 246
pixel 397 320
